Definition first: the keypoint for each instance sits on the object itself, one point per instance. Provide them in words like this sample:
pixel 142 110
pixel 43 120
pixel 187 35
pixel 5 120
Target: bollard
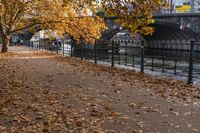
pixel 142 56
pixel 190 74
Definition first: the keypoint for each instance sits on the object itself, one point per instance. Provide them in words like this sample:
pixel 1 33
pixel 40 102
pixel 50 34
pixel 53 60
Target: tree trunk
pixel 5 43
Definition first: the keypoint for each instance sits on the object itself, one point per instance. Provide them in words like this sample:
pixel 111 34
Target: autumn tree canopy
pixel 77 18
pixel 135 15
pixel 74 17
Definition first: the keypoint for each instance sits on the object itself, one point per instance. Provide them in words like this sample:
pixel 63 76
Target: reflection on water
pixel 172 54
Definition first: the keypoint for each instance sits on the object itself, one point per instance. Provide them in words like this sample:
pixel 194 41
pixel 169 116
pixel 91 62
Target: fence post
pixel 47 46
pixel 119 58
pixel 126 53
pixel 190 74
pixel 175 66
pixel 51 47
pixel 72 45
pixel 142 56
pixel 39 44
pixel 113 62
pixel 163 60
pixel 133 65
pixel 95 53
pixel 63 50
pixel 57 47
pixel 152 64
pixel 81 50
pixel 42 45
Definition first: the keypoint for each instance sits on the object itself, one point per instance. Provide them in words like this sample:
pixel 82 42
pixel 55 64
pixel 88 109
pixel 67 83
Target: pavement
pixel 43 92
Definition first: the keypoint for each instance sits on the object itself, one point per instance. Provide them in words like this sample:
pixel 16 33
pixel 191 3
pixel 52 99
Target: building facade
pixel 183 6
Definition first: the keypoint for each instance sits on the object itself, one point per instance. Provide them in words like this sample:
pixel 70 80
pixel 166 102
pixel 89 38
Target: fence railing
pixel 142 56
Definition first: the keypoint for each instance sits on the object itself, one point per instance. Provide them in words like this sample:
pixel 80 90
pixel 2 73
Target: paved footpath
pixel 42 92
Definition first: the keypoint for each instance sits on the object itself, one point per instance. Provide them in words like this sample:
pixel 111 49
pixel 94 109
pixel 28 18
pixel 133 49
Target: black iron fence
pixel 183 61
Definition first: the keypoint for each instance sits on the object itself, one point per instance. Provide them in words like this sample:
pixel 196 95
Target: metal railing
pixel 136 56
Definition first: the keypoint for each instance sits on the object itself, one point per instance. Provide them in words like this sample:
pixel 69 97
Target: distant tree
pixel 135 15
pixel 77 18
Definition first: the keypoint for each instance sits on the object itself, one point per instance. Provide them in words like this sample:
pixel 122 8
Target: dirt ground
pixel 42 92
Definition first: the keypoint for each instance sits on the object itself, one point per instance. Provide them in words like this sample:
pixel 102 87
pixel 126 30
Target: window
pixel 186 3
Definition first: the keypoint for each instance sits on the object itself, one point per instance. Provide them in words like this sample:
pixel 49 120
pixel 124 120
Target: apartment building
pixel 184 6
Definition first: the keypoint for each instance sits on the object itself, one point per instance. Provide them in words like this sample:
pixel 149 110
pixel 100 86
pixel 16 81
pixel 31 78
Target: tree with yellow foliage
pixel 135 15
pixel 77 18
